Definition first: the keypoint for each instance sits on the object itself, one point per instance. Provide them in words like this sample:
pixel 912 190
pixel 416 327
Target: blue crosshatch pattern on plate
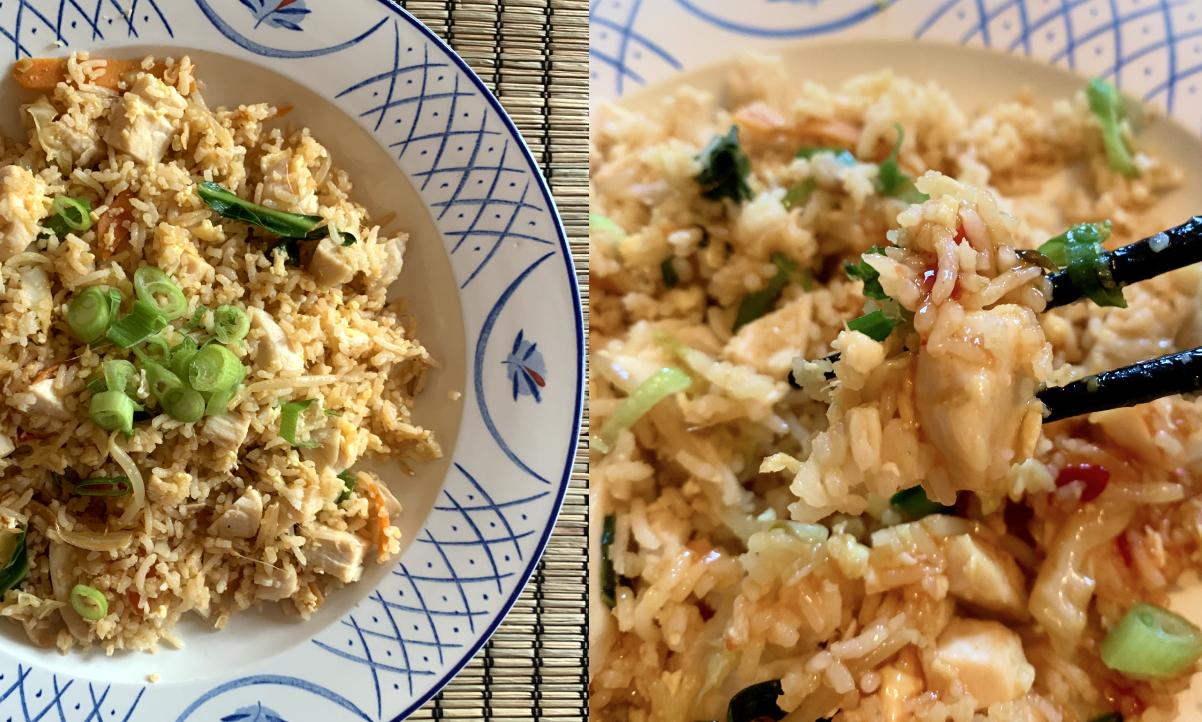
pixel 496 218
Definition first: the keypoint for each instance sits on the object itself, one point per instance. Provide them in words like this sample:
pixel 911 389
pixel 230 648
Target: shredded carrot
pixel 117 219
pixel 378 511
pixel 44 74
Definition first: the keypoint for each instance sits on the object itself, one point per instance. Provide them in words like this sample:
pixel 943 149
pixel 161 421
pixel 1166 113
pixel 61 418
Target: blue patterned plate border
pixel 510 467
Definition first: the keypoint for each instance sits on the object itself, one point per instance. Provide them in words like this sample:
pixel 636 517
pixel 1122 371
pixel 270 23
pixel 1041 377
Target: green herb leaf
pixel 892 181
pixel 667 269
pixel 1107 107
pixel 278 223
pixel 914 504
pixel 799 193
pixel 1080 250
pixel 875 325
pixel 290 420
pixel 724 169
pixel 348 485
pixel 867 274
pixel 758 303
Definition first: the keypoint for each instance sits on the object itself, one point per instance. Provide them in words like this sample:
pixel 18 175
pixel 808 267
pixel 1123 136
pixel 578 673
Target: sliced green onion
pixel 181 355
pixel 866 273
pixel 154 349
pixel 184 404
pixel 197 317
pixel 875 325
pixel 112 411
pixel 119 375
pixel 69 214
pixel 219 401
pixel 756 703
pixel 88 602
pixel 609 578
pixel 142 322
pixel 155 287
pixel 799 193
pixel 214 368
pixel 161 381
pixel 1107 107
pixel 892 181
pixel 90 313
pixel 1151 642
pixel 290 420
pixel 605 229
pixel 758 303
pixel 230 324
pixel 348 486
pixel 14 558
pixel 659 386
pixel 1080 250
pixel 102 486
pixel 913 504
pixel 96 384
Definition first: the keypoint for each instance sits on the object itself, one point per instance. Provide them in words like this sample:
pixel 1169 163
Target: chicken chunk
pixel 288 182
pixel 985 576
pixel 43 399
pixel 275 351
pixel 276 582
pixel 226 431
pixel 981 658
pixel 35 294
pixel 337 447
pixel 145 120
pixel 174 252
pixel 240 521
pixel 22 207
pixel 336 553
pixel 975 389
pixel 331 264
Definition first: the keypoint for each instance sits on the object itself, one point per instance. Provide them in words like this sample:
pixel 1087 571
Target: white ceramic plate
pixel 489 276
pixel 976 78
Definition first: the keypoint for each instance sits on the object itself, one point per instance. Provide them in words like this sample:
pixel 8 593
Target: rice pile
pixel 233 516
pixel 753 537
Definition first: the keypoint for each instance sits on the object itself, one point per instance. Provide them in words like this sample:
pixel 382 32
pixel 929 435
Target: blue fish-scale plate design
pixel 511 263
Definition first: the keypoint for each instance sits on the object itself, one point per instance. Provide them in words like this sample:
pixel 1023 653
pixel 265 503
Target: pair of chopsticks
pixel 1178 373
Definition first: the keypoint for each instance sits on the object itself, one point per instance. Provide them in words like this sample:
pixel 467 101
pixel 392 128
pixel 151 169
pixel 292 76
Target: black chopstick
pixel 1178 373
pixel 1173 248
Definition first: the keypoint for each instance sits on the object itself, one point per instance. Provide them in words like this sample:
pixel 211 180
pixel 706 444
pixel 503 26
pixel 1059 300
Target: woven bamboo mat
pixel 533 54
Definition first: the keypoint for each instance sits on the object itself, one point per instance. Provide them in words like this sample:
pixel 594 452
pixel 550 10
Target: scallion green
pixel 609 578
pixel 866 273
pixel 1151 642
pixel 113 411
pixel 279 223
pixel 89 602
pixel 891 180
pixel 1080 250
pixel 154 349
pixel 161 381
pixel 758 303
pixel 91 312
pixel 875 325
pixel 156 288
pixel 184 404
pixel 348 485
pixel 230 324
pixel 799 193
pixel 214 368
pixel 142 322
pixel 102 486
pixel 913 504
pixel 181 354
pixel 1107 106
pixel 119 375
pixel 290 415
pixel 667 381
pixel 68 214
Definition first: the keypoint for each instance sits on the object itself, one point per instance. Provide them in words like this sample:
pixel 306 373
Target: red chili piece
pixel 1094 477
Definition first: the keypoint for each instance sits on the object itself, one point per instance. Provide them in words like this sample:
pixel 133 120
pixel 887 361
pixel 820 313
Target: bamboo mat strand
pixel 533 54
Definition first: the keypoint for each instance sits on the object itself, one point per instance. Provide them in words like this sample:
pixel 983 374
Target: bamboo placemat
pixel 533 54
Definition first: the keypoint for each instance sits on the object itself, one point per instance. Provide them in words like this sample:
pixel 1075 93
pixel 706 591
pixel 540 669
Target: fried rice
pixel 751 555
pixel 225 513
